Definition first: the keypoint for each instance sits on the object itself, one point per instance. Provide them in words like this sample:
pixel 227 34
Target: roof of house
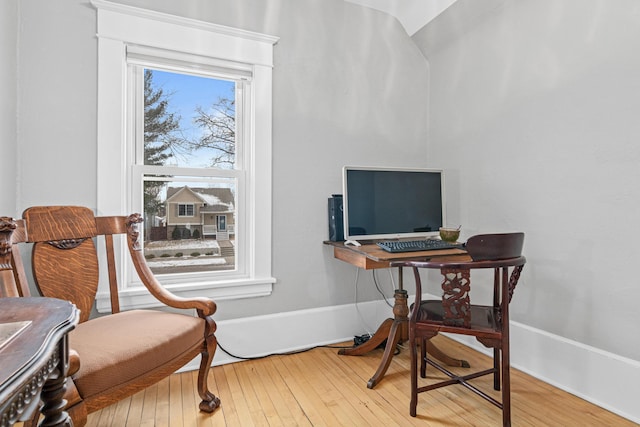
pixel 214 199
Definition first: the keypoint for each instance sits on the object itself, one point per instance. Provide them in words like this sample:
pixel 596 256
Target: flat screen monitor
pixel 392 203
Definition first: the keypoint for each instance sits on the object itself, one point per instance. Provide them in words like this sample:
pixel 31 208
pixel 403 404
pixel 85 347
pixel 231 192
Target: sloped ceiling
pixel 412 14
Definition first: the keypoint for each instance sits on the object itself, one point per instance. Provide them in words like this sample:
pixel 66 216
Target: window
pixel 193 181
pixel 185 210
pixel 187 141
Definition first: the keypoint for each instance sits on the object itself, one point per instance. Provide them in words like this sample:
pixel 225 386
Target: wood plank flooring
pixel 320 388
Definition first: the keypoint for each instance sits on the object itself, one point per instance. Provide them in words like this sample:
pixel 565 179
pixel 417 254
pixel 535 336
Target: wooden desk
pixel 35 359
pixel 394 330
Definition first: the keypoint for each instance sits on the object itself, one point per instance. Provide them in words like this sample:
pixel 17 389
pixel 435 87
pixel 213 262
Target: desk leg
pixel 396 331
pixel 436 353
pixel 376 339
pixel 397 334
pixel 387 330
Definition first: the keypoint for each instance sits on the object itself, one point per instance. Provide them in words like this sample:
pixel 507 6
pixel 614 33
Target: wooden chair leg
pixel 209 401
pixel 506 386
pixel 496 367
pixel 423 357
pixel 414 373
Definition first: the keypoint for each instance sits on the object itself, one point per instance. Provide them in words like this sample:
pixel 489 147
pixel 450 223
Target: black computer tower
pixel 336 225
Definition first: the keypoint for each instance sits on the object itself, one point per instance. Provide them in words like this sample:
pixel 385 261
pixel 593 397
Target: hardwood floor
pixel 320 388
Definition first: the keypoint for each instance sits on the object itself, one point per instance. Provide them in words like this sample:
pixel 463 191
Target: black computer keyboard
pixel 417 245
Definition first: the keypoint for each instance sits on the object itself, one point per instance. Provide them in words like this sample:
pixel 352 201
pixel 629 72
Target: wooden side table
pixel 34 351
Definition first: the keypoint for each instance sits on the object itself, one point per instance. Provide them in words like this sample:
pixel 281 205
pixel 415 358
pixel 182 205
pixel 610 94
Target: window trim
pixel 120 26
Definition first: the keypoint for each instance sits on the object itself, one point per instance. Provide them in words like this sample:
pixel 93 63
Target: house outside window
pixel 204 185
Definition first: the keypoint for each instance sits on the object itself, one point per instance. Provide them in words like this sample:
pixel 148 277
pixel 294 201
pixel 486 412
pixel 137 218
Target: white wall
pixel 8 104
pixel 534 112
pixel 349 88
pixel 57 85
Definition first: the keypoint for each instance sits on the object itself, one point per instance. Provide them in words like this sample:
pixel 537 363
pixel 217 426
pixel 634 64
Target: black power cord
pixel 357 340
pixel 375 281
pixel 286 353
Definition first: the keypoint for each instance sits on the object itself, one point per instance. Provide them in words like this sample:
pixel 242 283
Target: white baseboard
pixel 296 330
pixel 604 379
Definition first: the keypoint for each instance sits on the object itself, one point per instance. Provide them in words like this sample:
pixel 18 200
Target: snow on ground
pixel 182 244
pixel 182 261
pixel 187 245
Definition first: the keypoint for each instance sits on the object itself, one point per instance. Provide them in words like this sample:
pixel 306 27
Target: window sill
pixel 139 297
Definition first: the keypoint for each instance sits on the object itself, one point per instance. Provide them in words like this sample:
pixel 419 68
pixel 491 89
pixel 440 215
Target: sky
pixel 185 93
pixel 188 91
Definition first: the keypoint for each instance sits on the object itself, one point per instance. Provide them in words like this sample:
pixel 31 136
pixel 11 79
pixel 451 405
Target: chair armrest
pixel 205 306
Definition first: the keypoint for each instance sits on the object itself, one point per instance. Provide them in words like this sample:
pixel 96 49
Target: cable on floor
pixel 286 353
pixel 361 338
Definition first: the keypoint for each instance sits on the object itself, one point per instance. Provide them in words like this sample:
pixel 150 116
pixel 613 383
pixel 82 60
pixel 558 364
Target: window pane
pixel 185 209
pixel 189 120
pixel 189 226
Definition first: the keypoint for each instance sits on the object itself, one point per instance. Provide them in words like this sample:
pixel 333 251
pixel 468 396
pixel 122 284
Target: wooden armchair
pixel 457 313
pixel 115 355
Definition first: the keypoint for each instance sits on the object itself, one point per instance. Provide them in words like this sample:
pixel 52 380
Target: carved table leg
pixel 396 331
pixel 436 353
pixel 53 391
pixel 372 343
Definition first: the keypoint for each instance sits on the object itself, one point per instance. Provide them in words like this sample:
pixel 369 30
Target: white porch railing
pixel 212 230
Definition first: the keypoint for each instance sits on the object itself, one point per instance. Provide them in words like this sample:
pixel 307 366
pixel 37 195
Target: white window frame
pixel 120 26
